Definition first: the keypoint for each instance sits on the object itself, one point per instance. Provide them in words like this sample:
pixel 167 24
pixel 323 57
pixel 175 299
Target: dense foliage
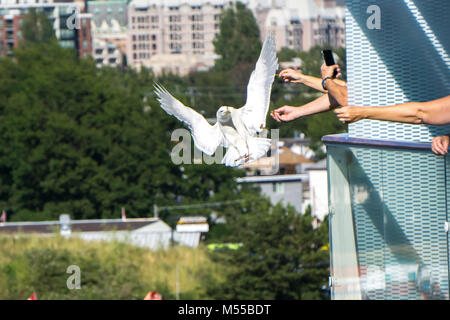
pixel 281 255
pixel 79 140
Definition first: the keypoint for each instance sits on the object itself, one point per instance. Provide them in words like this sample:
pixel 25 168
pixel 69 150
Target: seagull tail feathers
pixel 258 147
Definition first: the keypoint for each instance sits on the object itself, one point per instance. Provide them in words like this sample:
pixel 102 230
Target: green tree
pixel 37 27
pixel 287 54
pixel 238 43
pixel 281 257
pixel 84 141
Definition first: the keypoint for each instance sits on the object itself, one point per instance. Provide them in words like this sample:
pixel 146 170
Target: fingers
pixel 276 115
pixel 290 75
pixel 281 114
pixel 342 114
pixel 439 146
pixel 436 148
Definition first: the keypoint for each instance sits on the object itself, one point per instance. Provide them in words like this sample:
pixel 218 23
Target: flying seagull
pixel 235 129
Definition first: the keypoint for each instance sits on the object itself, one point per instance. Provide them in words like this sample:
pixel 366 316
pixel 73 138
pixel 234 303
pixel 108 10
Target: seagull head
pixel 224 114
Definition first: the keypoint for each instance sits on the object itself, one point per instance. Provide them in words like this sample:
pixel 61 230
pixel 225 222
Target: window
pixel 196 17
pixel 197 27
pixel 278 187
pixel 197 45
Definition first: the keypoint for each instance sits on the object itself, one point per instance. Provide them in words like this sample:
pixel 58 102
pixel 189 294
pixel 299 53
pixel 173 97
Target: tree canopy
pixel 36 28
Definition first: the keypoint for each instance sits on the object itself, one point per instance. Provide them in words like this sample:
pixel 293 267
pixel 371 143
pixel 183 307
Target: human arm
pixel 439 145
pixel 289 113
pixel 290 75
pixel 334 89
pixel 435 112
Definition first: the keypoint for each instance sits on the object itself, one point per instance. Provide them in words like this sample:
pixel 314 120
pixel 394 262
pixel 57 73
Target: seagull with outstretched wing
pixel 235 129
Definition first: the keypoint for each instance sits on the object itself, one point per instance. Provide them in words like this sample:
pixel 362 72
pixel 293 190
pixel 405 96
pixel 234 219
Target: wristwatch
pixel 323 82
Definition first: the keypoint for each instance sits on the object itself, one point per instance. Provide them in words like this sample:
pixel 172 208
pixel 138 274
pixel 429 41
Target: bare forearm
pixel 406 113
pixel 318 105
pixel 338 92
pixel 316 83
pixel 436 112
pixel 313 82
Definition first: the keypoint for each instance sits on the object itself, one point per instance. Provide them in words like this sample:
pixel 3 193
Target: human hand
pixel 291 75
pixel 349 114
pixel 328 71
pixel 439 145
pixel 285 114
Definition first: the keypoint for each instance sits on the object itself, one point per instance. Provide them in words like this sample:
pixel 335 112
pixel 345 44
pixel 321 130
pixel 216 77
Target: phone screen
pixel 328 57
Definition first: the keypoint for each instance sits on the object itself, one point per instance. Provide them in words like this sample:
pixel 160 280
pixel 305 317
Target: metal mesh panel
pixel 414 196
pixel 406 60
pixel 399 211
pixel 365 181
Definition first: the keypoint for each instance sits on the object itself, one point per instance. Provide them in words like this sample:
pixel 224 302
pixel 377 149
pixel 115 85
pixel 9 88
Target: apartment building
pixel 71 25
pixel 177 35
pixel 301 25
pixel 109 26
pixel 173 36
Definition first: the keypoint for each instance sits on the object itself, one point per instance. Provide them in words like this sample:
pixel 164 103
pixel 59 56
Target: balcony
pixel 388 219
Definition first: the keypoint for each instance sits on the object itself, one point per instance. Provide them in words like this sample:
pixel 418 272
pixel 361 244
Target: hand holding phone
pixel 329 60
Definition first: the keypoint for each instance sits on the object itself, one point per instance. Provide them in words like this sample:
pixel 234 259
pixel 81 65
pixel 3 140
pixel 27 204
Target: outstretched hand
pixel 349 114
pixel 285 114
pixel 291 75
pixel 439 145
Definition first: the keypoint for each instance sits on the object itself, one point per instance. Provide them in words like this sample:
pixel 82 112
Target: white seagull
pixel 235 129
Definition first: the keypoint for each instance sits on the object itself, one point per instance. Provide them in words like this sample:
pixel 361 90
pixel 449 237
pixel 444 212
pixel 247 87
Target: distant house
pixel 152 233
pixel 297 180
pixel 317 193
pixel 287 188
pixel 285 162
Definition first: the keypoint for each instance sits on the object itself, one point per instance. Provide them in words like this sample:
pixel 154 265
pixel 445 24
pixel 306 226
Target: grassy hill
pixel 108 270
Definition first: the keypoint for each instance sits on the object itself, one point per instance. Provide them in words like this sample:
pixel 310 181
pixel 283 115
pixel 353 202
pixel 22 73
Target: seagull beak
pixel 227 112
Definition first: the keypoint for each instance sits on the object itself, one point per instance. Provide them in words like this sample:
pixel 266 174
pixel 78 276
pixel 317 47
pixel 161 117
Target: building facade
pixel 72 26
pixel 109 26
pixel 173 36
pixel 177 35
pixel 301 25
pixel 285 188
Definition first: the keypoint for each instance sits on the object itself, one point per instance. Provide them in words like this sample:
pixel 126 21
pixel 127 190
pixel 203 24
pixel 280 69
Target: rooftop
pixel 94 225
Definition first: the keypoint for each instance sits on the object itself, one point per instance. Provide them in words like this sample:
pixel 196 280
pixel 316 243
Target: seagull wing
pixel 206 137
pixel 259 87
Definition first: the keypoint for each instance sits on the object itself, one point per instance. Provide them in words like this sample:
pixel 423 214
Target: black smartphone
pixel 328 57
pixel 329 60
